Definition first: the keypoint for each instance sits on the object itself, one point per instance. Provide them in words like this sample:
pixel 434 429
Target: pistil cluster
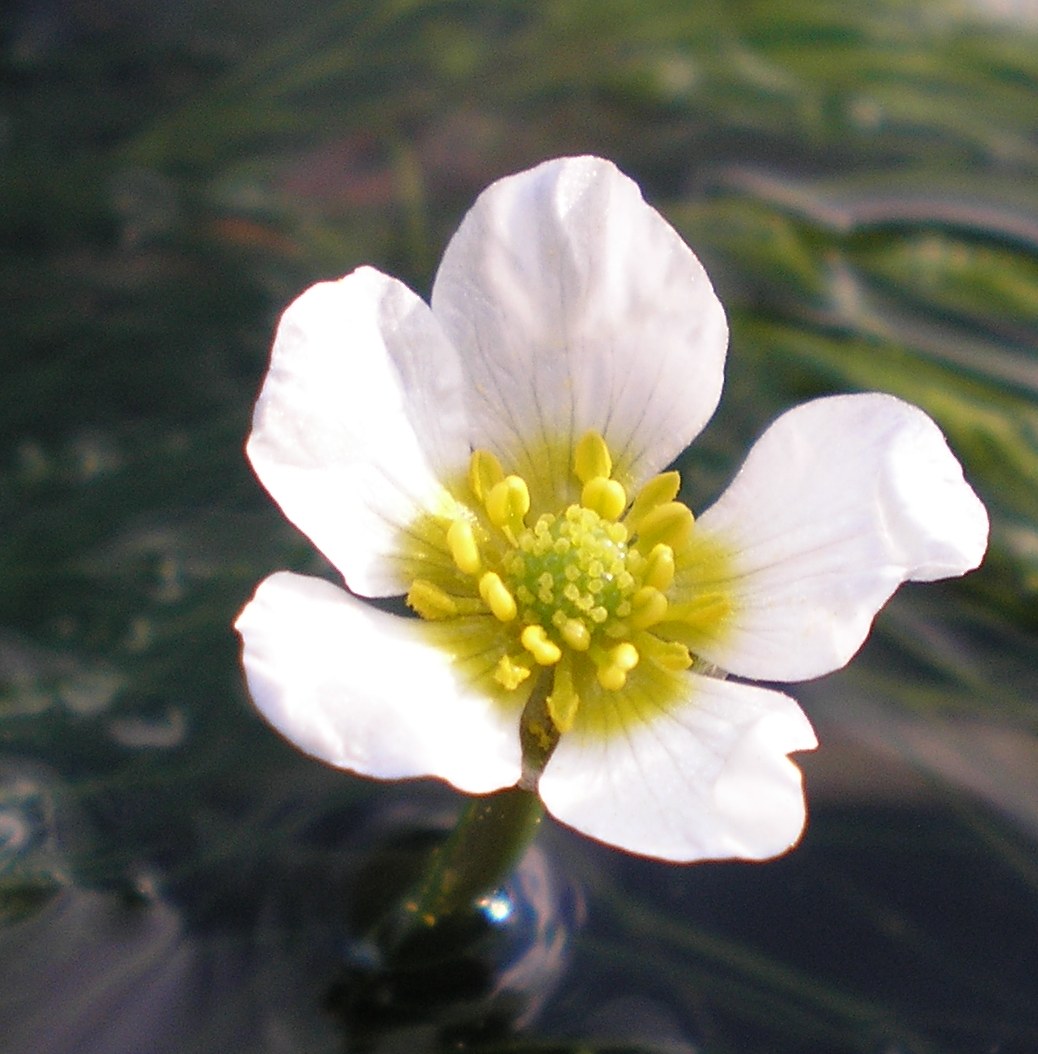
pixel 578 592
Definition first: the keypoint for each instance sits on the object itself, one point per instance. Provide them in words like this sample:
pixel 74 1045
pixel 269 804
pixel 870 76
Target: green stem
pixel 479 854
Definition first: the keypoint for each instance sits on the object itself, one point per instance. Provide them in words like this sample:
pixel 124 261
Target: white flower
pixel 495 458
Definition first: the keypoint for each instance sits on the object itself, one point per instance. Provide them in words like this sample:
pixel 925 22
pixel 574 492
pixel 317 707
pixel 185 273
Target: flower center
pixel 570 574
pixel 579 591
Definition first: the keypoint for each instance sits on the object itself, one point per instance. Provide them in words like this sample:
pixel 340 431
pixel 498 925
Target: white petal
pixel 575 306
pixel 704 781
pixel 360 416
pixel 363 690
pixel 840 501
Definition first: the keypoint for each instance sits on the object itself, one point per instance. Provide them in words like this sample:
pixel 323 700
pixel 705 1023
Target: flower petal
pixel 575 306
pixel 362 690
pixel 704 781
pixel 359 418
pixel 840 501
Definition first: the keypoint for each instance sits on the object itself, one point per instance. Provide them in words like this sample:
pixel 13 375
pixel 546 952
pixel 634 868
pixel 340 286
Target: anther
pixel 591 458
pixel 658 491
pixel 616 665
pixel 563 700
pixel 670 524
pixel 485 472
pixel 667 654
pixel 463 546
pixel 604 496
pixel 510 673
pixel 659 567
pixel 576 634
pixel 648 606
pixel 535 641
pixel 430 601
pixel 508 503
pixel 496 596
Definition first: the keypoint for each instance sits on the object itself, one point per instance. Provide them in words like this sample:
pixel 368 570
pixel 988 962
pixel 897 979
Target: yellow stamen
pixel 510 673
pixel 563 701
pixel 591 458
pixel 576 634
pixel 670 524
pixel 485 472
pixel 659 567
pixel 430 601
pixel 508 503
pixel 667 654
pixel 536 642
pixel 605 496
pixel 648 606
pixel 658 491
pixel 616 664
pixel 496 596
pixel 463 546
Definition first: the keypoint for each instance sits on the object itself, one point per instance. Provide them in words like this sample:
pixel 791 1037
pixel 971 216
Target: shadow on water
pixel 886 930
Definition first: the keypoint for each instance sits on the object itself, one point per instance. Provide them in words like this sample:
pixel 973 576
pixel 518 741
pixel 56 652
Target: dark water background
pixel 862 183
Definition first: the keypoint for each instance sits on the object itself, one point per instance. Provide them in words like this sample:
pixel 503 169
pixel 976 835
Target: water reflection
pixel 479 976
pixel 261 967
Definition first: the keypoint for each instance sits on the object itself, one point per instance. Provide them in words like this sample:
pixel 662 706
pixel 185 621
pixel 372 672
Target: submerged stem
pixel 489 840
pixel 485 846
